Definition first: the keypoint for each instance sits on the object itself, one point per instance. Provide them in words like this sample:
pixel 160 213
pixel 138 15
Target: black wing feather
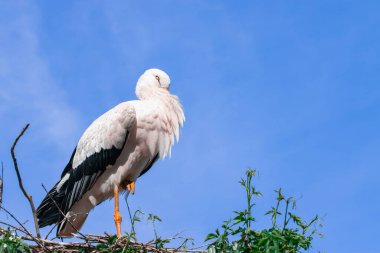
pixel 85 175
pixel 81 179
pixel 69 166
pixel 50 210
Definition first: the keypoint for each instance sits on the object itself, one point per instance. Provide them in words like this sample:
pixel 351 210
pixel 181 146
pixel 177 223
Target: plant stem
pixel 249 198
pixel 286 213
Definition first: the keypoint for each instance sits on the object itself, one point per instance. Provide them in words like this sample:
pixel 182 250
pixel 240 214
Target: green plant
pixel 11 243
pixel 237 235
pixel 112 246
pixel 159 241
pixel 128 243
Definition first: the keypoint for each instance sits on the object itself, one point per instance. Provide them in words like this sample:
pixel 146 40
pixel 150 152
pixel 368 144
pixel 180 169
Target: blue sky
pixel 291 88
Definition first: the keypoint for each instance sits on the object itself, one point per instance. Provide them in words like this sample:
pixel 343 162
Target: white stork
pixel 116 149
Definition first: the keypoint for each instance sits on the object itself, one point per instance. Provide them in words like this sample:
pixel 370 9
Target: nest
pixel 89 243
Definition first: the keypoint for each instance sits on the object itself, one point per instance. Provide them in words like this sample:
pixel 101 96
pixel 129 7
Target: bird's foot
pixel 117 218
pixel 131 187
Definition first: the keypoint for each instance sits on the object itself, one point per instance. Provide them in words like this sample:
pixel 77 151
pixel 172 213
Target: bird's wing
pixel 99 147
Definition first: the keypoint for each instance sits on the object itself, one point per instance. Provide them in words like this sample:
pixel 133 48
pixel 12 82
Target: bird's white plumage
pixel 105 132
pixel 152 123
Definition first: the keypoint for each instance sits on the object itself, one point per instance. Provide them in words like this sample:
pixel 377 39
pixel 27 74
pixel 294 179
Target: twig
pixel 36 240
pixel 51 230
pixel 121 244
pixel 1 183
pixel 28 196
pixel 14 227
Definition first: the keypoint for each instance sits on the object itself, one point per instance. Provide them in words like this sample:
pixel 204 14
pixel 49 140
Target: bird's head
pixel 153 81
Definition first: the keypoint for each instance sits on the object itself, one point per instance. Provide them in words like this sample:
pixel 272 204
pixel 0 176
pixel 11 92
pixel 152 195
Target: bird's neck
pixel 170 116
pixel 172 107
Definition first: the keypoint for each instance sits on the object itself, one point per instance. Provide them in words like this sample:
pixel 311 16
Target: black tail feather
pixel 50 210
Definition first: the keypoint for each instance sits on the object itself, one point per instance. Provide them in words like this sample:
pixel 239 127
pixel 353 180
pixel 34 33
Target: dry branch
pixel 27 195
pixel 23 229
pixel 90 244
pixel 93 240
pixel 1 183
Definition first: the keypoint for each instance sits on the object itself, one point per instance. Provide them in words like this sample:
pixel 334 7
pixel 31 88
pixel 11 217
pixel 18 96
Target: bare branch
pixel 123 243
pixel 33 238
pixel 1 183
pixel 28 196
pixel 14 227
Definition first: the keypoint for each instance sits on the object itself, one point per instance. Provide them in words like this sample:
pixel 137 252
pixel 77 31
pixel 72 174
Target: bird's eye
pixel 158 78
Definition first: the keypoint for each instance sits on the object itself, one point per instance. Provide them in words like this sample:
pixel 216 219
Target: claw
pixel 131 187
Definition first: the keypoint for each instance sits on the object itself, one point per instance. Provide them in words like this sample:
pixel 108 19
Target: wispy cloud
pixel 28 92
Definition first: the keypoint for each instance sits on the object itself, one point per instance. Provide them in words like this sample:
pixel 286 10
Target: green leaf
pixel 211 236
pixel 112 239
pixel 101 246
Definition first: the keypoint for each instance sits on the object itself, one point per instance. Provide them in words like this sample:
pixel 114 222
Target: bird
pixel 114 151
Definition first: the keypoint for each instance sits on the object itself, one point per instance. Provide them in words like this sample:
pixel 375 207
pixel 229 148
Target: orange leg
pixel 131 187
pixel 116 215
